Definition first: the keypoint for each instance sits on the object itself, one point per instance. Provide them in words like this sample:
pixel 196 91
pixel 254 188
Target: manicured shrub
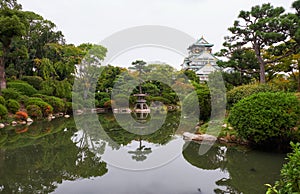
pixel 48 87
pixel 12 105
pixel 22 87
pixel 3 112
pixel 203 97
pixel 2 100
pixel 103 101
pixel 63 89
pixel 160 99
pixel 240 92
pixel 101 95
pixel 10 93
pixel 23 99
pixel 34 111
pixel 35 81
pixel 68 108
pixel 20 115
pixel 264 117
pixel 44 106
pixel 57 103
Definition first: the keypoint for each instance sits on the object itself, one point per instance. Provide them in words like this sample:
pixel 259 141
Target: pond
pixel 63 156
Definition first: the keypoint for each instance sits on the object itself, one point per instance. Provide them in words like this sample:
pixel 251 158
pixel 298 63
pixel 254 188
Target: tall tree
pixel 10 4
pixel 12 25
pixel 139 66
pixel 261 27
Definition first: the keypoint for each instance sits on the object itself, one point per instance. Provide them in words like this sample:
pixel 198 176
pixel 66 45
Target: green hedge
pixel 22 87
pixel 240 92
pixel 10 93
pixel 266 116
pixel 57 103
pixel 13 106
pixel 34 111
pixel 44 106
pixel 35 81
pixel 3 112
pixel 2 100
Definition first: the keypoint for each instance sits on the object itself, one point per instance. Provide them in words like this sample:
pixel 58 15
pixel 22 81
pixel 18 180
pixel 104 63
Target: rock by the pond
pixel 14 123
pixel 29 120
pixel 67 116
pixel 22 122
pixel 198 137
pixel 2 125
pixel 79 112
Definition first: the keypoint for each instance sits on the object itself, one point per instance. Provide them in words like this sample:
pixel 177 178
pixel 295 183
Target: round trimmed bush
pixel 45 107
pixel 57 103
pixel 22 87
pixel 159 98
pixel 34 111
pixel 3 111
pixel 35 81
pixel 13 106
pixel 264 117
pixel 10 93
pixel 2 100
pixel 240 92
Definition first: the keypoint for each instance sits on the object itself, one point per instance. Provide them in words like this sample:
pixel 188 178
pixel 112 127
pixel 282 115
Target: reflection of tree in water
pixel 39 166
pixel 213 159
pixel 248 170
pixel 140 153
pixel 122 137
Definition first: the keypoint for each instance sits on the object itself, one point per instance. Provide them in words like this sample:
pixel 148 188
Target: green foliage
pixel 160 99
pixel 68 108
pixel 2 100
pixel 48 87
pixel 3 112
pixel 63 89
pixel 204 102
pixel 240 92
pixel 192 76
pixel 100 95
pixel 57 103
pixel 22 87
pixel 34 111
pixel 35 81
pixel 13 106
pixel 266 117
pixel 44 106
pixel 10 93
pixel 121 100
pixel 290 173
pixel 103 101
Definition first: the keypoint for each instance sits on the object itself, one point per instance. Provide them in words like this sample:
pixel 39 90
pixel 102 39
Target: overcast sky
pixel 93 20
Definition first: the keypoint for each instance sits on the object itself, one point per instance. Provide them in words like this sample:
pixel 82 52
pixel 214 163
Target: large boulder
pixel 198 137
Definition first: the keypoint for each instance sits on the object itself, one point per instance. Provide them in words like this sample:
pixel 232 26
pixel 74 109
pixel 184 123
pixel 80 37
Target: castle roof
pixel 201 43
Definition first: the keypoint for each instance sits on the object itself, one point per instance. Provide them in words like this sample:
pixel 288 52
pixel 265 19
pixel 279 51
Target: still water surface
pixel 58 157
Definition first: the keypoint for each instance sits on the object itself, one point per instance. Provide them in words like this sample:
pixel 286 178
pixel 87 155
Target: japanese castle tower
pixel 200 59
